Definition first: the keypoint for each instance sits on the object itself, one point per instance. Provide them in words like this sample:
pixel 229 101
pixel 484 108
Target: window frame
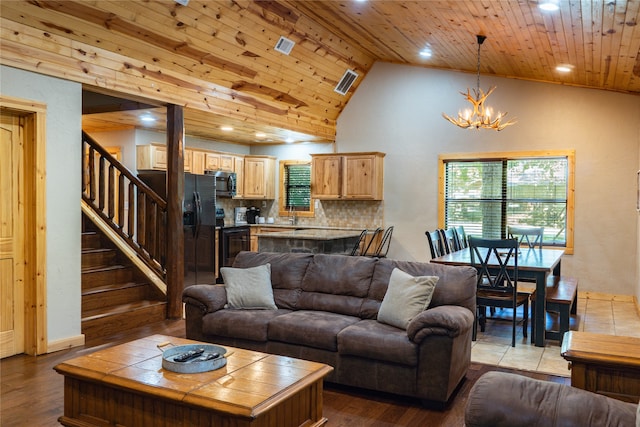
pixel 516 155
pixel 282 211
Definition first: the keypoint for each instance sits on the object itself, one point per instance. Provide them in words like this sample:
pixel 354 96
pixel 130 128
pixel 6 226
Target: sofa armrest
pixel 208 298
pixel 450 320
pixel 500 399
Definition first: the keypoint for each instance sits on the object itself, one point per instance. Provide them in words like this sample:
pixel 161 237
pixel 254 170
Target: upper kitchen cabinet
pixel 347 176
pixel 197 161
pixel 212 161
pixel 152 156
pixel 219 162
pixel 238 168
pixel 259 177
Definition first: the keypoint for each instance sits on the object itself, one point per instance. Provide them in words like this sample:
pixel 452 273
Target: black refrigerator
pixel 199 223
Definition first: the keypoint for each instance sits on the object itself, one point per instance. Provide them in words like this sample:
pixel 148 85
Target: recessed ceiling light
pixel 564 68
pixel 426 51
pixel 289 140
pixel 226 128
pixel 261 135
pixel 549 6
pixel 147 118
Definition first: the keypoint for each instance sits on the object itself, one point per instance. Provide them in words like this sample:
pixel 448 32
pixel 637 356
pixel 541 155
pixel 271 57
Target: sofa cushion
pixel 287 272
pixel 406 297
pixel 336 283
pixel 249 287
pixel 378 341
pixel 456 286
pixel 240 324
pixel 317 329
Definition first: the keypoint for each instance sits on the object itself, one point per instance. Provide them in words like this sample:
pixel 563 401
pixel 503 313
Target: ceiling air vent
pixel 182 2
pixel 284 45
pixel 345 82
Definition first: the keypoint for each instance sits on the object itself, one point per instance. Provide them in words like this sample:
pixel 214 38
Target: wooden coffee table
pixel 125 385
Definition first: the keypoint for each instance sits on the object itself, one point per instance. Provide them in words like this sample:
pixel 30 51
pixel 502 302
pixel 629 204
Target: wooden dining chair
pixel 449 240
pixel 461 237
pixel 435 246
pixel 531 237
pixel 497 284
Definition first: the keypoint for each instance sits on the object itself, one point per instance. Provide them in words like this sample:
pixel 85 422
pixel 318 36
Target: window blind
pixel 486 196
pixel 298 187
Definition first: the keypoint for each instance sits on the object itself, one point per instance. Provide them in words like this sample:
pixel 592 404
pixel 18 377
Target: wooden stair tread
pixel 120 309
pixel 113 287
pixel 96 250
pixel 102 268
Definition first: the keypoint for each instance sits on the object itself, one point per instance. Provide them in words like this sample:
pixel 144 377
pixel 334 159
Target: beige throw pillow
pixel 249 288
pixel 406 297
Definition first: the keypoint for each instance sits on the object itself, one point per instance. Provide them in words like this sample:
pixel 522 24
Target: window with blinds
pixel 298 187
pixel 487 195
pixel 295 188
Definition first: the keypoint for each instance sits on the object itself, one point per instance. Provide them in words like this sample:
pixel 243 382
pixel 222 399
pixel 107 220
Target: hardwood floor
pixel 32 392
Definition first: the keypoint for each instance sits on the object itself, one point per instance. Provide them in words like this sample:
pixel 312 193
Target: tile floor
pixel 594 315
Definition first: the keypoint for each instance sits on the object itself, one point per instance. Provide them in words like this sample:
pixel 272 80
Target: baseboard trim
pixel 65 343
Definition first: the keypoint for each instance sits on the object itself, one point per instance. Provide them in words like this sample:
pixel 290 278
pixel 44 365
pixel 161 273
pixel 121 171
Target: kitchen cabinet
pixel 259 177
pixel 151 157
pixel 197 161
pixel 219 162
pixel 188 160
pixel 347 176
pixel 238 168
pixel 212 161
pixel 226 162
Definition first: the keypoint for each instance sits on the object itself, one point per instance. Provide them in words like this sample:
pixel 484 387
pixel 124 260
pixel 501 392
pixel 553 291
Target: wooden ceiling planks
pixel 218 57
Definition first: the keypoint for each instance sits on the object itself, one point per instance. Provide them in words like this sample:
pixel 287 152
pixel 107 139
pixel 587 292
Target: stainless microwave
pixel 225 183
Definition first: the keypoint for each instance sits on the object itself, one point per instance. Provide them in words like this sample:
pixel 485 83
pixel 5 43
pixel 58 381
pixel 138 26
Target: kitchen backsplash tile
pixel 329 213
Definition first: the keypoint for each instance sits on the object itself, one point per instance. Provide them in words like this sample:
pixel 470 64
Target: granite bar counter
pixel 309 241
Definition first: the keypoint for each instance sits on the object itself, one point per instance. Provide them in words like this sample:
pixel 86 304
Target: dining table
pixel 534 264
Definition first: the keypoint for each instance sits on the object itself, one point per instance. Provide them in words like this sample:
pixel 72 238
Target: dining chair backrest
pixel 434 243
pixel 526 235
pixel 491 257
pixel 461 236
pixel 449 240
pixel 383 248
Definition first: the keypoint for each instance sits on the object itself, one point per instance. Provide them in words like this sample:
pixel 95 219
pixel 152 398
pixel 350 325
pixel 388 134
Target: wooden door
pixel 11 236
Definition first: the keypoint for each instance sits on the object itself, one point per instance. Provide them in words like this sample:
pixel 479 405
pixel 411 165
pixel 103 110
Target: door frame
pixel 33 115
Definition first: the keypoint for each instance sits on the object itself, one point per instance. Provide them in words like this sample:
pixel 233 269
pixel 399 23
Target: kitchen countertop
pixel 311 234
pixel 304 227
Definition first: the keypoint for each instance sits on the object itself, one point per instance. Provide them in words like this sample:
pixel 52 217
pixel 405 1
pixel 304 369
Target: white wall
pixel 63 127
pixel 397 109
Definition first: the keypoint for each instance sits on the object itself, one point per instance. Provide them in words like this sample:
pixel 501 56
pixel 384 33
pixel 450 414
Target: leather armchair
pixel 501 399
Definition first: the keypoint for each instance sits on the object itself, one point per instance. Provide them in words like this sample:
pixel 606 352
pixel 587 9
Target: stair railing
pixel 132 209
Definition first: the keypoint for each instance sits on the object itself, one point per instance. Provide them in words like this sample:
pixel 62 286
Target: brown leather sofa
pixel 500 399
pixel 327 307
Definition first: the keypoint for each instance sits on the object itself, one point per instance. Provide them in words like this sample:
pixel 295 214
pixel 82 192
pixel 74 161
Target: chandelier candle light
pixel 480 117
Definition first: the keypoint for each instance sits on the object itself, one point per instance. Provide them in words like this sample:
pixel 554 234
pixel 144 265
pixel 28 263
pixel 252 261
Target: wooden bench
pixel 562 293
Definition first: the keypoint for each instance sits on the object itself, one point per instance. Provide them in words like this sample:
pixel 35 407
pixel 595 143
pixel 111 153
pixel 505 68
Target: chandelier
pixel 480 116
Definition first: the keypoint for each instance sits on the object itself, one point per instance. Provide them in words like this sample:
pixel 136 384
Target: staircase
pixel 116 296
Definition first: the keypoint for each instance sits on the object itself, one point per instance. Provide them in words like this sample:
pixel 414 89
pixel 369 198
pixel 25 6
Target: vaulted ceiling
pixel 217 58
